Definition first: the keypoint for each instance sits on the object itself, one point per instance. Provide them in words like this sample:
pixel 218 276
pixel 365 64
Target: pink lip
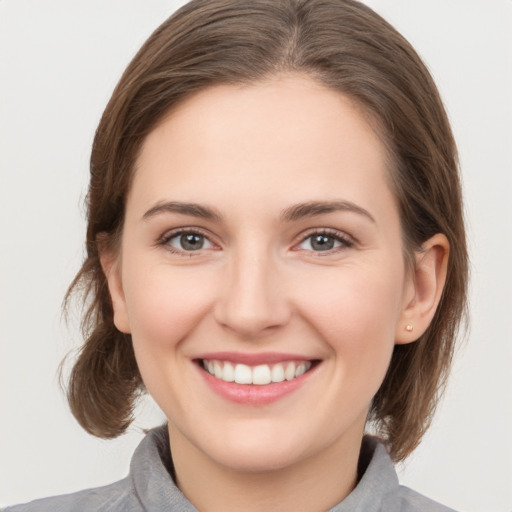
pixel 252 394
pixel 253 359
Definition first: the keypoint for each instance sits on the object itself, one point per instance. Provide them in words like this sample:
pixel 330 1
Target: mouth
pixel 255 379
pixel 258 374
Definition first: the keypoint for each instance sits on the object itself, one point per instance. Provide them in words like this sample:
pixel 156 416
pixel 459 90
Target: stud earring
pixel 409 328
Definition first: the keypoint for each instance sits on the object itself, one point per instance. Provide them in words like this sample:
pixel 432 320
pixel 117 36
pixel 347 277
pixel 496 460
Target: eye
pixel 187 241
pixel 324 242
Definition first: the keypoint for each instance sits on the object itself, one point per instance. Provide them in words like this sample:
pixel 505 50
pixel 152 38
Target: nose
pixel 253 301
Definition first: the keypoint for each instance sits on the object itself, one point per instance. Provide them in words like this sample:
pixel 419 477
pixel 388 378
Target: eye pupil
pixel 322 242
pixel 192 241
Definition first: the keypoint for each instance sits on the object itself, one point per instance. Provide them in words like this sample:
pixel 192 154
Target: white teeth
pixel 301 369
pixel 229 372
pixel 277 373
pixel 243 374
pixel 259 375
pixel 289 373
pixel 217 369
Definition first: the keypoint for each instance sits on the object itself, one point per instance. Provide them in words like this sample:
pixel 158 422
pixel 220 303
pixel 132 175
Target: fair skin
pixel 246 276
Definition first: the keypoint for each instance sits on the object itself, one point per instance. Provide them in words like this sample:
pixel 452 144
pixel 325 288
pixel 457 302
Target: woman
pixel 276 253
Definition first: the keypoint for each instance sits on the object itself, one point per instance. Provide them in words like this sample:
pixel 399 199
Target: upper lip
pixel 253 359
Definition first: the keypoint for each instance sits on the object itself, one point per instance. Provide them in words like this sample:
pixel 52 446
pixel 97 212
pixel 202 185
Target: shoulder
pixel 412 501
pixel 148 486
pixel 379 490
pixel 117 496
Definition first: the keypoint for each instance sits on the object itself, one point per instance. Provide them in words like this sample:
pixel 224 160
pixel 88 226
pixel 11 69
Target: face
pixel 261 272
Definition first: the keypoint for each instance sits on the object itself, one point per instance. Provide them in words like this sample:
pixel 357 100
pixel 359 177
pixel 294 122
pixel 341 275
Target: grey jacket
pixel 149 487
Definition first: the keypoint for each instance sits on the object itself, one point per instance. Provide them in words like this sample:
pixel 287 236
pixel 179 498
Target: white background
pixel 59 61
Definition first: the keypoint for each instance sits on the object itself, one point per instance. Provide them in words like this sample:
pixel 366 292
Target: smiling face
pixel 262 244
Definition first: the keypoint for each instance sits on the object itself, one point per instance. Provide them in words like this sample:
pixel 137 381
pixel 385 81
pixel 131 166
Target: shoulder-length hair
pixel 344 45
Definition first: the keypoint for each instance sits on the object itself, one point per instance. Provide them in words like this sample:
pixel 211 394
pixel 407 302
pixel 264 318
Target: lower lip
pixel 252 394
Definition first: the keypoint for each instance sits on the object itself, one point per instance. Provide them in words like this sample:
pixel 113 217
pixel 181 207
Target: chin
pixel 259 458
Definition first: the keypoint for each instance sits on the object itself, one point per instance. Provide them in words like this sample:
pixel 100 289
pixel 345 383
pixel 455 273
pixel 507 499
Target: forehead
pixel 285 136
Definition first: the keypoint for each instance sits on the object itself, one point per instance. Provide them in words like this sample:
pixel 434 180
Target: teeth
pixel 217 370
pixel 228 372
pixel 243 374
pixel 277 373
pixel 289 373
pixel 259 375
pixel 301 369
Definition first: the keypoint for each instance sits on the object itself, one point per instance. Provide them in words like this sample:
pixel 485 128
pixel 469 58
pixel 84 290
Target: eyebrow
pixel 192 209
pixel 312 208
pixel 290 214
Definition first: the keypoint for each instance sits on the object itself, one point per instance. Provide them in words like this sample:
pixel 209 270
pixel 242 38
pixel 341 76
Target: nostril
pixel 249 303
pixel 251 323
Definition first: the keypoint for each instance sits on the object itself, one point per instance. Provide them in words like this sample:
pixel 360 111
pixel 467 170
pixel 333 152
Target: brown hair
pixel 344 45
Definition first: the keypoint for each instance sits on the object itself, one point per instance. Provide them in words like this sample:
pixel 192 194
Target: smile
pixel 259 375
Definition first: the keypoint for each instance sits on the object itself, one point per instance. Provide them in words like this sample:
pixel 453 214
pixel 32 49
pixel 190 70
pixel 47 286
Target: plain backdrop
pixel 59 61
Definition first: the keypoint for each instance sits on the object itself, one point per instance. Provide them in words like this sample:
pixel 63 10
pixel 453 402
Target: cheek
pixel 164 305
pixel 356 312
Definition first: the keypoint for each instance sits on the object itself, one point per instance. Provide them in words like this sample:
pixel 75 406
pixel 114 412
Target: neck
pixel 313 484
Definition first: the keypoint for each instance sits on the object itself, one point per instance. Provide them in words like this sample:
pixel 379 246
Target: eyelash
pixel 345 241
pixel 165 239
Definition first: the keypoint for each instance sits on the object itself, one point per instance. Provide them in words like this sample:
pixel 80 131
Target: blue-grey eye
pixel 320 242
pixel 190 242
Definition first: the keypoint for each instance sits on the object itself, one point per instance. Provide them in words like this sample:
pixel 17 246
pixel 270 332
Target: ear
pixel 423 289
pixel 111 265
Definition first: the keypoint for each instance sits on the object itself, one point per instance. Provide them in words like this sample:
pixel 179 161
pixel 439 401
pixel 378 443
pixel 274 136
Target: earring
pixel 409 328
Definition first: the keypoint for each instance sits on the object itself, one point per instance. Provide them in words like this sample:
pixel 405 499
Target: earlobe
pixel 111 266
pixel 427 282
